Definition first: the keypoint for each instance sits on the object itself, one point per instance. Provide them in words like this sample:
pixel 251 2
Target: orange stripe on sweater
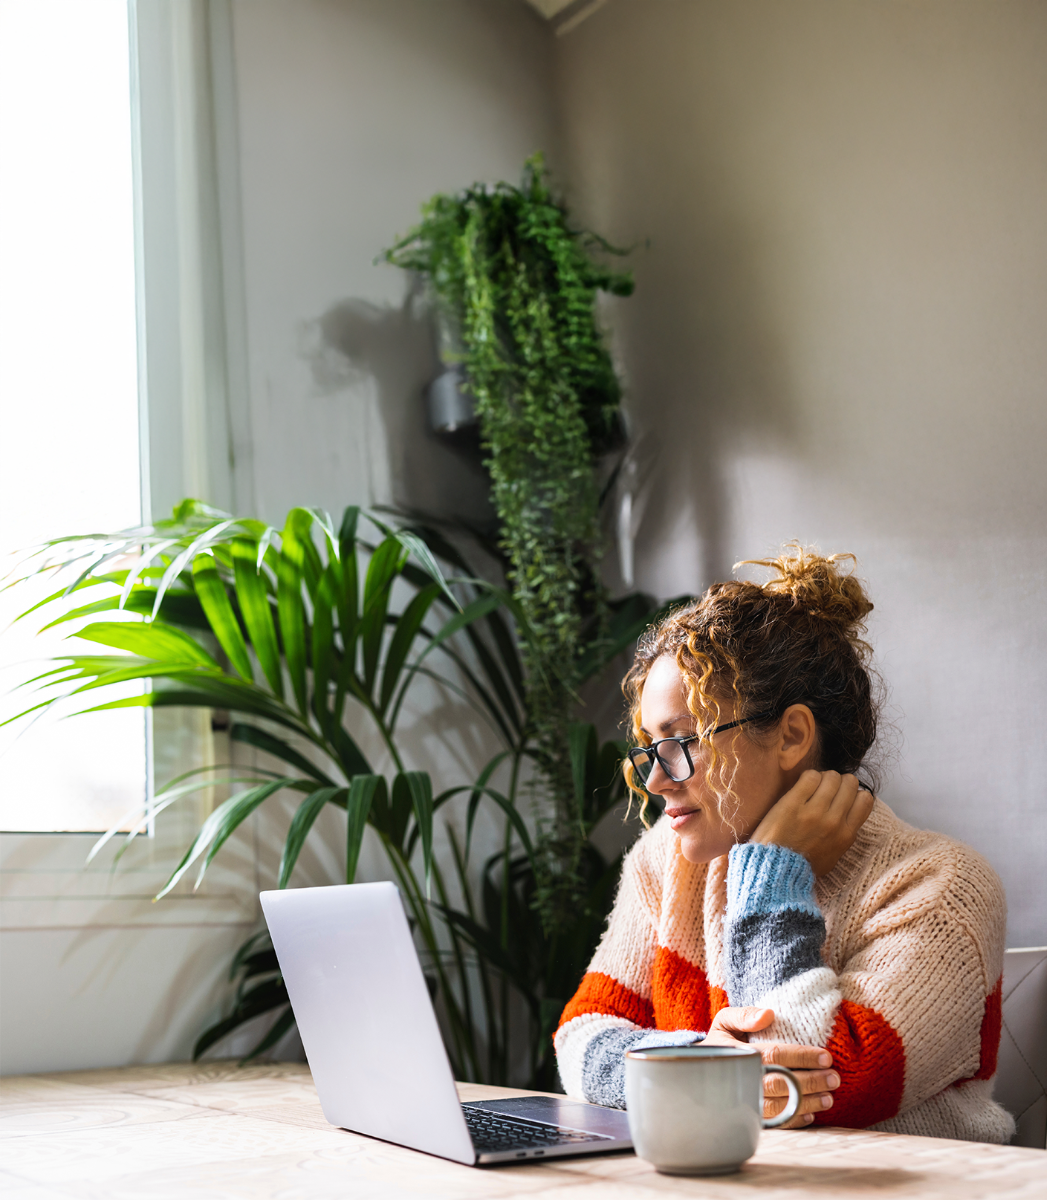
pixel 680 991
pixel 682 997
pixel 717 1000
pixel 870 1059
pixel 599 993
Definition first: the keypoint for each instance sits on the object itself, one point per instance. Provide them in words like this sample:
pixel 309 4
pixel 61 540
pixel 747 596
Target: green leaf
pixel 323 652
pixel 392 821
pixel 582 747
pixel 219 827
pixel 291 614
pixel 477 794
pixel 507 807
pixel 215 599
pixel 251 735
pixel 508 650
pixel 247 950
pixel 211 692
pixel 149 639
pixel 381 570
pixel 301 823
pixel 350 757
pixel 347 532
pixel 323 518
pixel 253 596
pixel 187 556
pixel 348 583
pixel 480 607
pixel 267 996
pixel 110 604
pixel 421 789
pixel 262 962
pixel 404 633
pixel 495 676
pixel 413 543
pixel 629 617
pixel 296 540
pixel 142 670
pixel 364 790
pixel 283 1024
pixel 610 780
pixel 135 573
pixel 115 578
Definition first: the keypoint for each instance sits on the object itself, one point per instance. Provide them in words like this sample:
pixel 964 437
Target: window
pixel 69 452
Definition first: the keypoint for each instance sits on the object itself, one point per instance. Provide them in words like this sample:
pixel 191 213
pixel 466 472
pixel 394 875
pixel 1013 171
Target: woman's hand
pixel 732 1026
pixel 818 817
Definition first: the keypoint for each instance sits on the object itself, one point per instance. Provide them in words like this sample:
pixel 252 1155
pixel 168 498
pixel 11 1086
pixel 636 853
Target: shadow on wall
pixel 355 341
pixel 709 382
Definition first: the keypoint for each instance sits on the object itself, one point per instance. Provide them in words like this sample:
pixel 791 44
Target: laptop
pixel 374 1047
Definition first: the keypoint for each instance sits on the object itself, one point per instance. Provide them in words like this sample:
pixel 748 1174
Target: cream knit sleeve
pixel 911 1011
pixel 612 1012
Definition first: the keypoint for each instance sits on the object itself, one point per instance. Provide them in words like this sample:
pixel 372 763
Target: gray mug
pixel 698 1110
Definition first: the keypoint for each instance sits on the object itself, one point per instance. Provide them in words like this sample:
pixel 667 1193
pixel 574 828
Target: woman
pixel 777 901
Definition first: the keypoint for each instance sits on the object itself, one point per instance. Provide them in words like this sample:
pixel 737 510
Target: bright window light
pixel 69 450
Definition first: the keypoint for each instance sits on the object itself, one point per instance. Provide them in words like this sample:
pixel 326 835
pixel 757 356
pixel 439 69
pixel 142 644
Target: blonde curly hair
pixel 796 639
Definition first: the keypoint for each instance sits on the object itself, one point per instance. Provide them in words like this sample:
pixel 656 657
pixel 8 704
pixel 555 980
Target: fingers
pixel 843 798
pixel 811 1083
pixel 742 1020
pixel 816 1088
pixel 795 1057
pixel 810 1107
pixel 860 812
pixel 834 793
pixel 805 788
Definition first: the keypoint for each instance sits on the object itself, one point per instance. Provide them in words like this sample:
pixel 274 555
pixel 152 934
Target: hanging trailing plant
pixel 518 285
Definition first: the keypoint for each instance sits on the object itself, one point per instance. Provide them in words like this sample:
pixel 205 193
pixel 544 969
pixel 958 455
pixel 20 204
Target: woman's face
pixel 754 771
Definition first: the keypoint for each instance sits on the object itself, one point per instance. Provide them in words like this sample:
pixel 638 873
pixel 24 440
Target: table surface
pixel 214 1131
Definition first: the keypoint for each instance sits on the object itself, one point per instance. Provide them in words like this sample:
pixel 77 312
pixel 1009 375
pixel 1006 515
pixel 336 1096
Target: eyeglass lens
pixel 671 754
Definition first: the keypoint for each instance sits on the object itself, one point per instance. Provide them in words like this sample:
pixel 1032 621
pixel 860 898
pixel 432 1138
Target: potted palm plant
pixel 294 633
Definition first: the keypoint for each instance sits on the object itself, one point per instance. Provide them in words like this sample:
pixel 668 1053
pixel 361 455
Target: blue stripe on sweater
pixel 774 929
pixel 765 879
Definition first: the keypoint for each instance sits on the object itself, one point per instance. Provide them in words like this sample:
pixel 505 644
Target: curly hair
pixel 796 639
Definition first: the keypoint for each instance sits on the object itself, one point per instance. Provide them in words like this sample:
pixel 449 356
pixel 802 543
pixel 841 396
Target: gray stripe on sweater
pixel 603 1067
pixel 765 949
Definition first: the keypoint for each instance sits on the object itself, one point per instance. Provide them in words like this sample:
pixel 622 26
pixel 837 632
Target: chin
pixel 695 850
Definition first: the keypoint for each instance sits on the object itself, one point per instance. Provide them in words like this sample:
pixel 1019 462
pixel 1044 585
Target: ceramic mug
pixel 698 1110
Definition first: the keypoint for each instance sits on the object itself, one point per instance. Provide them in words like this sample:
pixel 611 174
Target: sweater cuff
pixel 603 1068
pixel 764 879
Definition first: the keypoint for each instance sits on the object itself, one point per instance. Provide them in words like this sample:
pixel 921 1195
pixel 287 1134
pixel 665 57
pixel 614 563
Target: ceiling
pixel 565 15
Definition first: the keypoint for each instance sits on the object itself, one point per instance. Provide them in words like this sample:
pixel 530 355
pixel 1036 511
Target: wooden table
pixel 216 1131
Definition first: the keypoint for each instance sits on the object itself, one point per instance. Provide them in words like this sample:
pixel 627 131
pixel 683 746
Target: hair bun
pixel 816 585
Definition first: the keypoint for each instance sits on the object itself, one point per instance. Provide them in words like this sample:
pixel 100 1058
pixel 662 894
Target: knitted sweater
pixel 892 962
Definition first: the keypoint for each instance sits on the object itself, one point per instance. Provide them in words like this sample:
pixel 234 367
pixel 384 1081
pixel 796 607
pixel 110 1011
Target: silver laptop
pixel 374 1048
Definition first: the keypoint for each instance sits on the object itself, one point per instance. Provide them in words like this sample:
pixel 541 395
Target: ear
pixel 798 737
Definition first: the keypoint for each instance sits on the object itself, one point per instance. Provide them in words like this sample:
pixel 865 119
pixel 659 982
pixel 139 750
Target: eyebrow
pixel 670 723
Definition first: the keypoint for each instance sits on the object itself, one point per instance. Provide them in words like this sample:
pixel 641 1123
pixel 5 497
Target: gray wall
pixel 838 336
pixel 351 114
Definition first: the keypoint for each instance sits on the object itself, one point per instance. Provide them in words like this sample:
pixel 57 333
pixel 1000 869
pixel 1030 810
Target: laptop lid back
pixel 365 1017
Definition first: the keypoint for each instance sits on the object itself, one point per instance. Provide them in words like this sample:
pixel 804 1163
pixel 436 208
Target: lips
pixel 679 816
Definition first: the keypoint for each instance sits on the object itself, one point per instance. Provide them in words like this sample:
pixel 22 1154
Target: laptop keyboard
pixel 493 1131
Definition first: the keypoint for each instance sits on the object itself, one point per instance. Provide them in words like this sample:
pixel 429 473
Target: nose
pixel 658 781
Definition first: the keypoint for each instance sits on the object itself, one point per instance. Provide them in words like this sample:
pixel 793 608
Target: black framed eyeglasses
pixel 672 753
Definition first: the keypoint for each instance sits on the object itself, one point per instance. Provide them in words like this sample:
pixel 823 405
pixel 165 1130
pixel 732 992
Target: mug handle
pixel 792 1105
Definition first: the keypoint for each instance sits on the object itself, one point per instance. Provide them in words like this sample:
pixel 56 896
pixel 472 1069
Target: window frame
pixel 193 411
